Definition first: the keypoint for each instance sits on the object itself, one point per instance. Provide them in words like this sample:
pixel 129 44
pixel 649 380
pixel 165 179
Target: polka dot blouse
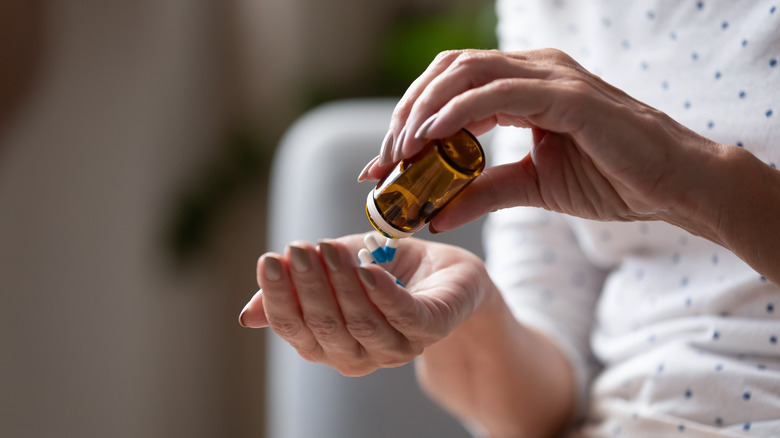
pixel 669 334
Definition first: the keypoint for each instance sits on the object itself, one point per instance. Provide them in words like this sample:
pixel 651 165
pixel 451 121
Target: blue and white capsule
pixel 390 247
pixel 366 258
pixel 376 250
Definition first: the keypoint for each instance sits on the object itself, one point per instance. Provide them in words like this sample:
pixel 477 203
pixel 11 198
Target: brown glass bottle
pixel 410 195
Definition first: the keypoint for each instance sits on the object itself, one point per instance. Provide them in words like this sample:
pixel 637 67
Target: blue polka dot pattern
pixel 672 303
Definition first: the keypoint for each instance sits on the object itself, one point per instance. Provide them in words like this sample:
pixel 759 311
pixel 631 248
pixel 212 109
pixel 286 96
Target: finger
pixel 398 306
pixel 551 105
pixel 364 173
pixel 319 308
pixel 404 105
pixel 470 70
pixel 282 308
pixel 498 187
pixel 253 314
pixel 377 172
pixel 363 320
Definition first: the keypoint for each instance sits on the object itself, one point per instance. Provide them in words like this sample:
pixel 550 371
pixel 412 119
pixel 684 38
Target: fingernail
pixel 272 268
pixel 386 153
pixel 422 133
pixel 367 278
pixel 364 172
pixel 300 258
pixel 432 230
pixel 330 255
pixel 398 150
pixel 241 316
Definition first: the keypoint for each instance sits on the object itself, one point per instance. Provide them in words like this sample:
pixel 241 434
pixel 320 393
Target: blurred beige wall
pixel 124 103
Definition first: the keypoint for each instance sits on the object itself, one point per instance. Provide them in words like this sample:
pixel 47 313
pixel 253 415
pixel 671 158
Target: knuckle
pixel 556 56
pixel 363 326
pixel 309 354
pixel 503 86
pixel 555 53
pixel 285 328
pixel 469 58
pixel 447 56
pixel 322 325
pixel 402 321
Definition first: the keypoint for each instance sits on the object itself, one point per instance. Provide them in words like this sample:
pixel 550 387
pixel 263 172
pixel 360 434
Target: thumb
pixel 508 185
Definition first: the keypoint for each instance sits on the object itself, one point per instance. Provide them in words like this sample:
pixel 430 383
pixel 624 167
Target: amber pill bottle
pixel 410 195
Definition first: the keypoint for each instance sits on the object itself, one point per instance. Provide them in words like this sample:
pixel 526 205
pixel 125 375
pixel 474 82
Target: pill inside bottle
pixel 410 195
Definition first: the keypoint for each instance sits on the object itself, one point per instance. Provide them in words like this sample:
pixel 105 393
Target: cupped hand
pixel 597 152
pixel 357 319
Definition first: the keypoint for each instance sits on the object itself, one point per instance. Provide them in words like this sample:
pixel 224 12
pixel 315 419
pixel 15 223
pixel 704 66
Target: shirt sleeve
pixel 547 281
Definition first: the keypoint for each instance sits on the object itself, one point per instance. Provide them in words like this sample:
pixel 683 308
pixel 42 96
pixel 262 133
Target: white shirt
pixel 687 334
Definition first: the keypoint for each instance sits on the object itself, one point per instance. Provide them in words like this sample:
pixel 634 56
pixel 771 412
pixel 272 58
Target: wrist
pixel 703 191
pixel 733 199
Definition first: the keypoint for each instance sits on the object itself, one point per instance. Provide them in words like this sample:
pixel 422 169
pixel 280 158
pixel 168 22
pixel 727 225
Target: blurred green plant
pixel 412 45
pixel 243 163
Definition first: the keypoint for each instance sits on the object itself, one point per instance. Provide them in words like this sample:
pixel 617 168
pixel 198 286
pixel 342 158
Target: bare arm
pixel 476 359
pixel 739 209
pixel 499 376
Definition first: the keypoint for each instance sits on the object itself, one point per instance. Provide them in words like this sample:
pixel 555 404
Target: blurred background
pixel 135 143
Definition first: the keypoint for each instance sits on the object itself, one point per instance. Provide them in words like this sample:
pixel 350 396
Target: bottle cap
pixel 380 223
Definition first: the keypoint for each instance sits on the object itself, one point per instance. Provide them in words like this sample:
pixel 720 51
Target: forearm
pixel 499 375
pixel 739 208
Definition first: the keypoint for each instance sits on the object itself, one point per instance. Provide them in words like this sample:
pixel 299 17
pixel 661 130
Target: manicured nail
pixel 364 172
pixel 299 258
pixel 367 278
pixel 386 153
pixel 422 133
pixel 398 150
pixel 330 255
pixel 241 316
pixel 272 268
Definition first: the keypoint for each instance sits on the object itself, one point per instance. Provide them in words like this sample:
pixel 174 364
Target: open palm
pixel 357 319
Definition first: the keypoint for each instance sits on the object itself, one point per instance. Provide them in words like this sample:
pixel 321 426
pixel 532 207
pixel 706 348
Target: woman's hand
pixel 357 319
pixel 597 153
